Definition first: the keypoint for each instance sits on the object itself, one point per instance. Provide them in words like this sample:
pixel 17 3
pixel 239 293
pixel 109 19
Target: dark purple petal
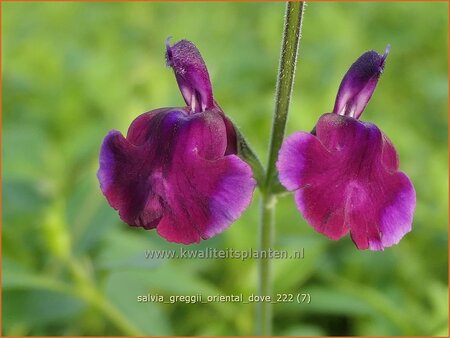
pixel 205 197
pixel 191 74
pixel 170 173
pixel 135 199
pixel 231 136
pixel 359 83
pixel 346 179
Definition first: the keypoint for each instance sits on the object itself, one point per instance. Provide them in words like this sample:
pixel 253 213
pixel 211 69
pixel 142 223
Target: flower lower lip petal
pixel 346 179
pixel 171 173
pixel 205 198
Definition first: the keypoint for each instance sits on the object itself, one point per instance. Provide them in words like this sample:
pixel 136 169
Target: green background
pixel 73 71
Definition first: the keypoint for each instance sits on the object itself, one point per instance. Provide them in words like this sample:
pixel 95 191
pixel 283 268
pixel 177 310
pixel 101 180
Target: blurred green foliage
pixel 73 71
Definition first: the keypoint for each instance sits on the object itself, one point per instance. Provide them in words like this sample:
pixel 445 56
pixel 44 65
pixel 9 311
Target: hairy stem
pixel 286 74
pixel 264 309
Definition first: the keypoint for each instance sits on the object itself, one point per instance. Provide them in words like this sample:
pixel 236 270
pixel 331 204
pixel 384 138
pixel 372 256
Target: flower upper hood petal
pixel 191 74
pixel 359 83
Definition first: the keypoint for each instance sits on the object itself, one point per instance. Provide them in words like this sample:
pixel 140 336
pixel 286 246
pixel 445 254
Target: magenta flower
pixel 177 169
pixel 345 173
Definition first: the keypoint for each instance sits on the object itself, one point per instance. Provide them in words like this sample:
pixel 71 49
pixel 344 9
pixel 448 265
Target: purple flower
pixel 177 170
pixel 345 173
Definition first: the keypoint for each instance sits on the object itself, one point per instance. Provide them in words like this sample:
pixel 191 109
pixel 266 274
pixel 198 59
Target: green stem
pixel 113 314
pixel 85 290
pixel 264 309
pixel 286 74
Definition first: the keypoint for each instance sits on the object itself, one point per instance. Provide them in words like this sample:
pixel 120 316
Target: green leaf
pixel 304 330
pixel 125 249
pixel 122 289
pixel 38 307
pixel 89 215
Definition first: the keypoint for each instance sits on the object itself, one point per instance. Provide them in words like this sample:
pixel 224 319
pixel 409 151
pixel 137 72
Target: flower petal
pixel 145 127
pixel 346 179
pixel 121 181
pixel 205 197
pixel 171 173
pixel 359 83
pixel 231 136
pixel 209 190
pixel 191 74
